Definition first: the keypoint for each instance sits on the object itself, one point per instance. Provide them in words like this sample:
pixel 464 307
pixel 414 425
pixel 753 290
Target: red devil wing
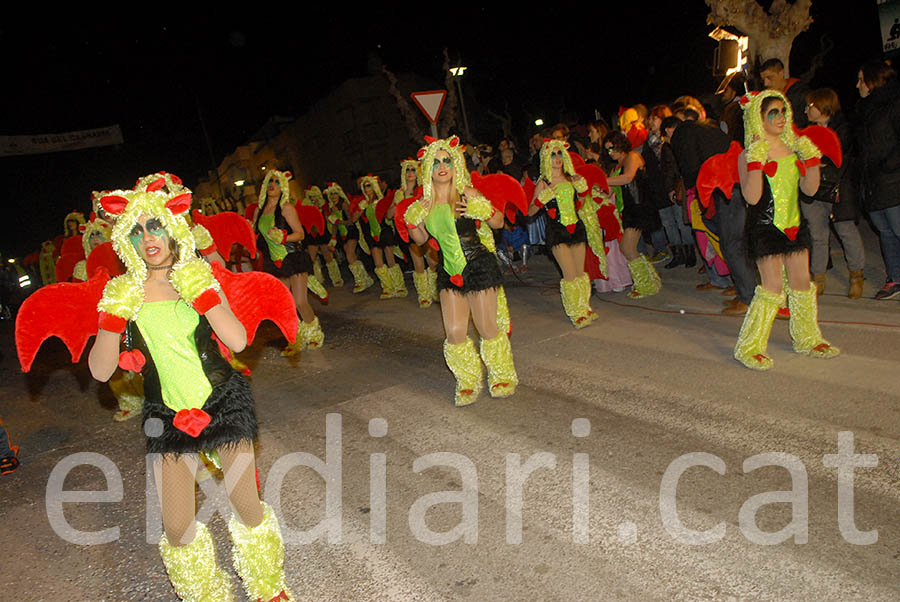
pixel 383 205
pixel 826 139
pixel 503 191
pixel 312 219
pixel 249 211
pixel 66 310
pixel 257 296
pixel 594 176
pixel 355 200
pixel 73 246
pixel 226 229
pixel 577 161
pixel 719 171
pixel 105 257
pixel 528 187
pixel 400 218
pixel 65 265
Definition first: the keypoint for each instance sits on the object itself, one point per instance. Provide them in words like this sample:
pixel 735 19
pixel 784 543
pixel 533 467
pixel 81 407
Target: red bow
pixel 551 213
pixel 457 279
pixel 191 421
pixel 132 361
pixel 571 228
pixel 791 232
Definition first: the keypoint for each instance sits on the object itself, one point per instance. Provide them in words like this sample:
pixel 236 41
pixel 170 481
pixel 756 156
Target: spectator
pixel 879 162
pixel 773 77
pixel 732 120
pixel 835 197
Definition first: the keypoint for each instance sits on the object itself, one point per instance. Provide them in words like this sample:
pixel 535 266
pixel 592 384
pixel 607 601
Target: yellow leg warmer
pixel 311 334
pixel 193 570
pixel 398 281
pixel 753 339
pixel 361 278
pixel 805 325
pixel 334 272
pixel 387 283
pixel 432 283
pixel 315 285
pixel 259 557
pixel 463 361
pixel 497 356
pixel 585 294
pixel 317 270
pixel 298 345
pixel 128 387
pixel 574 302
pixel 423 288
pixel 646 279
pixel 504 322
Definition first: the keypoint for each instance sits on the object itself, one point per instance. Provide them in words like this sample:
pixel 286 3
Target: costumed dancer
pixel 348 233
pixel 566 235
pixel 638 213
pixel 279 241
pixel 775 166
pixel 470 282
pixel 331 210
pixel 380 237
pixel 314 239
pixel 424 278
pixel 167 306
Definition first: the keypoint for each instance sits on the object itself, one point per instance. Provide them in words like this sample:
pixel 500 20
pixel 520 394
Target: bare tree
pixel 771 33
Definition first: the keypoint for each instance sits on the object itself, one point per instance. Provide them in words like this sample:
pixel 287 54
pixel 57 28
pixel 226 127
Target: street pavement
pixel 627 466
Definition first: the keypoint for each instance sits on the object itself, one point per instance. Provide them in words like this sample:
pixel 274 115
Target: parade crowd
pixel 749 196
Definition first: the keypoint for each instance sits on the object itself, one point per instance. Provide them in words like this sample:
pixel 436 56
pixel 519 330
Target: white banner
pixel 889 15
pixel 52 143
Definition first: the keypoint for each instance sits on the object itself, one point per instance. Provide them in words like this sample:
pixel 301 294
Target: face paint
pixel 773 114
pixel 448 161
pixel 154 227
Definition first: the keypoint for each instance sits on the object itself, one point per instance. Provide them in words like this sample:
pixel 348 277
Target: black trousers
pixel 731 217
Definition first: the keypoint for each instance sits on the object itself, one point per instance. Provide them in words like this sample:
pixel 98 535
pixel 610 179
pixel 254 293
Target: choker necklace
pixel 160 267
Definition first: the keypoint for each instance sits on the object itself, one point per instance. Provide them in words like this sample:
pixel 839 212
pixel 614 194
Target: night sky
pixel 156 75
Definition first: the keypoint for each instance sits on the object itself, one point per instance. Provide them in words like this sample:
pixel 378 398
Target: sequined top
pixel 785 211
pixel 167 328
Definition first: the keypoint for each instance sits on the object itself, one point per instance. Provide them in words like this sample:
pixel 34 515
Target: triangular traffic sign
pixel 430 102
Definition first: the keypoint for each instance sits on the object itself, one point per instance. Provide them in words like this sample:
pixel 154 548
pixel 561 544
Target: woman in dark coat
pixel 878 139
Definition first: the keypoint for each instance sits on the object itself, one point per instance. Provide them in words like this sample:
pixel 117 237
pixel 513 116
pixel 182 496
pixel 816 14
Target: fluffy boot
pixel 398 281
pixel 678 257
pixel 753 339
pixel 805 326
pixel 317 270
pixel 259 557
pixel 311 334
pixel 423 288
pixel 819 281
pixel 193 570
pixel 334 272
pixel 497 356
pixel 298 345
pixel 318 289
pixel 361 278
pixel 574 304
pixel 387 283
pixel 585 295
pixel 463 361
pixel 856 284
pixel 646 280
pixel 432 283
pixel 128 387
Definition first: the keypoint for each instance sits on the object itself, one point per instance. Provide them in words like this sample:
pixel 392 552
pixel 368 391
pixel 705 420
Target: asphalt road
pixel 626 467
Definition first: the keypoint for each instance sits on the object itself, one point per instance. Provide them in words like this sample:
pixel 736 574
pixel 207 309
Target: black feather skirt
pixel 233 420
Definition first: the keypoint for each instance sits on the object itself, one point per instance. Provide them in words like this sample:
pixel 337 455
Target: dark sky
pixel 154 75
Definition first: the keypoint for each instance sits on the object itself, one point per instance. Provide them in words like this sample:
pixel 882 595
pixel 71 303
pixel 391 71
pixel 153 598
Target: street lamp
pixel 457 73
pixel 539 122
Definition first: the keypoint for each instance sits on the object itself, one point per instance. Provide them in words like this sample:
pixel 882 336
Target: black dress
pixel 230 405
pixel 482 271
pixel 556 233
pixel 764 238
pixel 297 260
pixel 637 210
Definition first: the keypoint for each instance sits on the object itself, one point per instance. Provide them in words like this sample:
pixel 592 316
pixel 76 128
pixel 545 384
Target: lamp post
pixel 457 73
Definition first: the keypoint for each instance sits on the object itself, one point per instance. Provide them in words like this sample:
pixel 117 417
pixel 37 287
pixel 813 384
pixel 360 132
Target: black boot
pixel 690 257
pixel 677 257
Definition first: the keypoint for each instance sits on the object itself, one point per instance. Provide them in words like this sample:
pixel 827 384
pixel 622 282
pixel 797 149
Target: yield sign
pixel 430 103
